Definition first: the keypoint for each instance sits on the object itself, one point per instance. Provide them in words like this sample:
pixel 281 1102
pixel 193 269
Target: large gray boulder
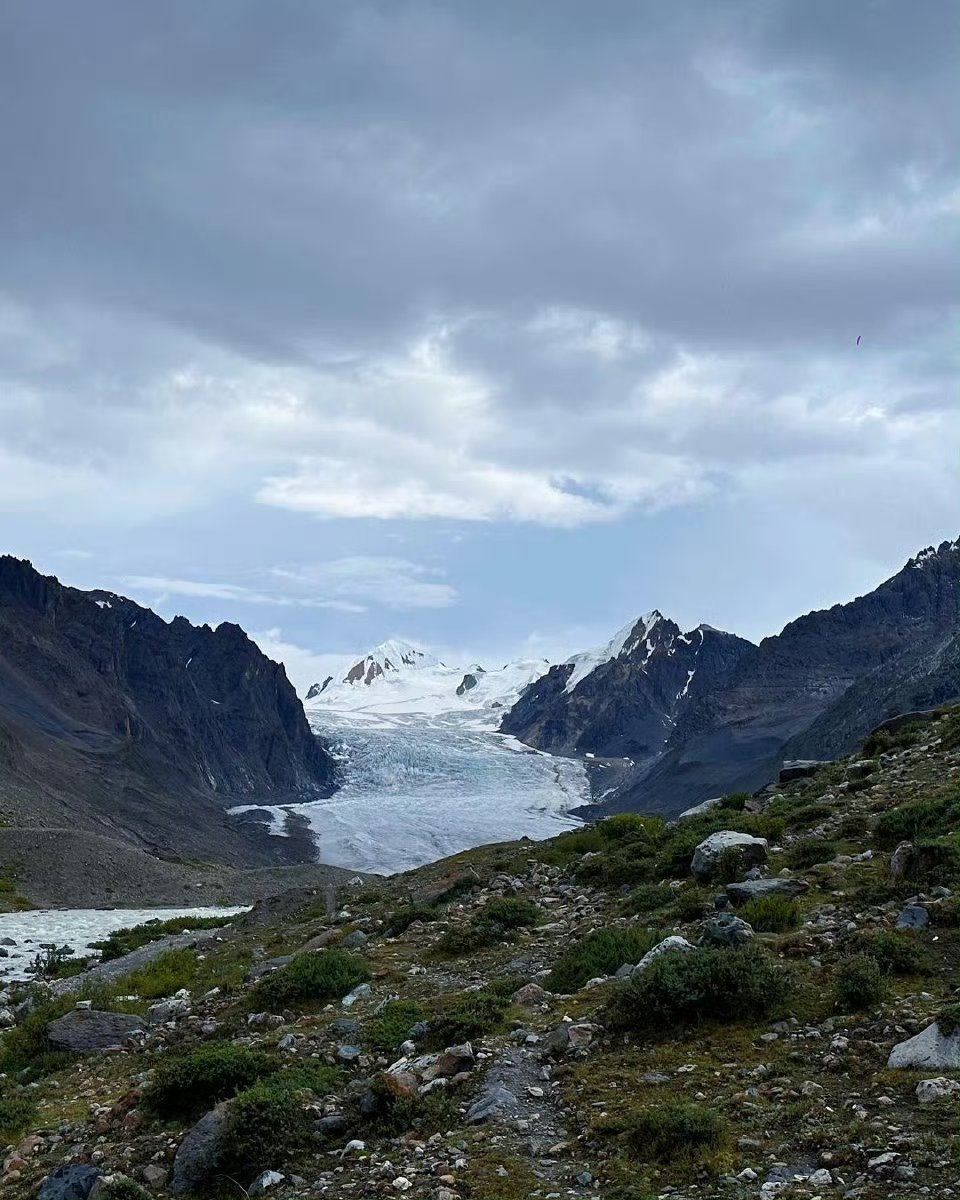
pixel 670 945
pixel 725 931
pixel 752 850
pixel 929 1049
pixel 198 1156
pixel 800 768
pixel 85 1030
pixel 698 810
pixel 73 1182
pixel 753 889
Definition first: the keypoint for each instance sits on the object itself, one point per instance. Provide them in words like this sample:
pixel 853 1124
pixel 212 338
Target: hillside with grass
pixel 758 999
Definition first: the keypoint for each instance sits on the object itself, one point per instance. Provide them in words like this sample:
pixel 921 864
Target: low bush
pixel 703 985
pixel 771 914
pixel 853 826
pixel 123 941
pixel 897 953
pixel 916 819
pixel 649 897
pixel 400 921
pixel 318 975
pixel 395 1115
pixel 121 1187
pixel 317 1077
pixel 807 852
pixel 189 1084
pixel 225 968
pixel 677 1131
pixel 266 1125
pixel 510 913
pixel 392 1024
pixel 599 953
pixel 465 1017
pixel 625 826
pixel 930 863
pixel 495 922
pixel 735 802
pixel 948 1021
pixel 16 1113
pixel 858 984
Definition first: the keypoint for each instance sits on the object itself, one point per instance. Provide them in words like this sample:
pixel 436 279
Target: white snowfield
pixel 623 642
pixel 426 773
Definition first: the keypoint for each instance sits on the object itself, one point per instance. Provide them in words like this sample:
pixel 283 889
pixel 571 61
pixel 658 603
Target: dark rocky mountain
pixel 814 690
pixel 114 721
pixel 625 700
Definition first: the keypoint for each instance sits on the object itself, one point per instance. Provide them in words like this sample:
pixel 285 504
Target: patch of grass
pixel 188 1085
pixel 771 914
pixel 703 985
pixel 424 1115
pixel 317 1077
pixel 853 827
pixel 858 984
pixel 599 953
pixel 511 913
pixel 809 851
pixel 318 975
pixel 123 941
pixel 225 968
pixel 494 922
pixel 677 1131
pixel 735 802
pixel 392 1024
pixel 930 863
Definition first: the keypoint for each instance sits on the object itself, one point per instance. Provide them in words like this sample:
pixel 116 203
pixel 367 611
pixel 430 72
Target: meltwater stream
pixel 419 787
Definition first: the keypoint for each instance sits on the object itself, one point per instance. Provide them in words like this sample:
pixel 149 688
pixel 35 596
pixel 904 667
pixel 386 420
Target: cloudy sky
pixel 488 325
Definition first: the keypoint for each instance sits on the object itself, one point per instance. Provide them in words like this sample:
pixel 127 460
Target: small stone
pixel 362 992
pixel 264 1182
pixel 402 1184
pixel 929 1090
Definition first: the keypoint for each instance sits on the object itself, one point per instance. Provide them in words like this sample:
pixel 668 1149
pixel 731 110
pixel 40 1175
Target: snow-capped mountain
pixel 398 677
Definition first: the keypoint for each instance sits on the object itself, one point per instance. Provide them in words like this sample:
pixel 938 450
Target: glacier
pixel 426 774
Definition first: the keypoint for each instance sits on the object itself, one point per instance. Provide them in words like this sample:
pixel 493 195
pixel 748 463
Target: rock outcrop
pixel 116 721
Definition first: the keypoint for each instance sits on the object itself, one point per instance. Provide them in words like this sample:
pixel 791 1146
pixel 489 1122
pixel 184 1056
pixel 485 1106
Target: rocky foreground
pixel 758 1000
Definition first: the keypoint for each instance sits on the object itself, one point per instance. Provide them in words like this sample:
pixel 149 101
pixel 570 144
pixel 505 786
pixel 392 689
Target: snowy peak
pixel 390 656
pixel 650 631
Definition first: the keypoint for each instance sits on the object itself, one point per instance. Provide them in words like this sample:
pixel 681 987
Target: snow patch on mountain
pixel 624 641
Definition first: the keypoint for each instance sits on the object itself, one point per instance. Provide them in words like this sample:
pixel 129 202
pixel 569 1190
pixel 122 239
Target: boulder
pixel 753 850
pixel 929 1090
pixel 801 768
pixel 494 1101
pixel 930 1048
pixel 674 944
pixel 167 1010
pixel 86 1030
pixel 198 1155
pixel 914 916
pixel 901 860
pixel 454 1061
pixel 753 889
pixel 354 940
pixel 529 995
pixel 268 966
pixel 726 930
pixel 699 809
pixel 265 1182
pixel 72 1182
pixel 362 991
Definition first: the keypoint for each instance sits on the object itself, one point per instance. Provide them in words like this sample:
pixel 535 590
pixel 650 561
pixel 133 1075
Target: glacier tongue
pixel 421 785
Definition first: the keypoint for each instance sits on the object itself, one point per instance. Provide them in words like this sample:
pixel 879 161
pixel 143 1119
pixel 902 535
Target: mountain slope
pixel 813 690
pixel 114 721
pixel 625 699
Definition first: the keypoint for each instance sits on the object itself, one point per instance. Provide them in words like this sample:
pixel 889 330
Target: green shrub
pixel 853 826
pixel 396 1115
pixel 265 1126
pixel 400 921
pixel 807 815
pixel 735 802
pixel 317 1077
pixel 948 1021
pixel 809 851
pixel 599 953
pixel 897 953
pixel 317 975
pixel 630 826
pixel 468 1016
pixel 465 939
pixel 858 984
pixel 771 914
pixel 189 1084
pixel 674 1132
pixel 510 913
pixel 649 897
pixel 123 941
pixel 918 818
pixel 882 740
pixel 16 1114
pixel 693 903
pixel 930 863
pixel 225 968
pixel 731 865
pixel 701 985
pixel 392 1024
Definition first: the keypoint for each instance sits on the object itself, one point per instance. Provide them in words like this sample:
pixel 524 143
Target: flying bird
pixel 858 338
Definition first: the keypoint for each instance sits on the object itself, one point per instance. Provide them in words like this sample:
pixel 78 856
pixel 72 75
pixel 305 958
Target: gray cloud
pixel 499 262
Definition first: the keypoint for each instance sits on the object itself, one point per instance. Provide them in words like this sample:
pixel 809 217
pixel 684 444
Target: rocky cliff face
pixel 113 720
pixel 812 691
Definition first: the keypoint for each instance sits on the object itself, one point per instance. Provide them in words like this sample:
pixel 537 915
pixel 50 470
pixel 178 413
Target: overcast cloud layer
pixel 490 325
